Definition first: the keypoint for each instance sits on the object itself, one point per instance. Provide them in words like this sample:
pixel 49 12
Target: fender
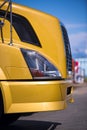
pixel 7 100
pixel 2 75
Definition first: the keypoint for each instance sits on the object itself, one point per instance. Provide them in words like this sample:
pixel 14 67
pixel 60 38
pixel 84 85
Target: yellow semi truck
pixel 35 62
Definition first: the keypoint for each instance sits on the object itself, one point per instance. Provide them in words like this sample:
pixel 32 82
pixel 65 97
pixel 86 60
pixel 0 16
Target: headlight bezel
pixel 36 59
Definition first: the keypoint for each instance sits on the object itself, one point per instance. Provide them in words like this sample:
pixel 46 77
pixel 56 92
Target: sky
pixel 73 14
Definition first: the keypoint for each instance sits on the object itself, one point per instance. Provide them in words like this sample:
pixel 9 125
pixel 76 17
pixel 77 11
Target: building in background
pixel 82 64
pixel 80 69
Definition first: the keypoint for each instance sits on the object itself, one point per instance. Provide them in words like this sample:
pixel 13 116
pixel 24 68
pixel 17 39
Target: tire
pixel 6 119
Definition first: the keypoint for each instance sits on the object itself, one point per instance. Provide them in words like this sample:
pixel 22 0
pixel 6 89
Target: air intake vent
pixel 67 49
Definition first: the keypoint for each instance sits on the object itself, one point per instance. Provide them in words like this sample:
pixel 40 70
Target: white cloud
pixel 78 42
pixel 86 51
pixel 74 26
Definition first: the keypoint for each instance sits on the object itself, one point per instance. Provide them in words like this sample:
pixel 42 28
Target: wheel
pixel 6 119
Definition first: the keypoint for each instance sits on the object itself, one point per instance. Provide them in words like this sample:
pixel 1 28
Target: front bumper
pixel 33 96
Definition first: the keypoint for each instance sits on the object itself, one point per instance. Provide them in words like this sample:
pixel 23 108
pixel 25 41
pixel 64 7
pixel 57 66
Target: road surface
pixel 72 118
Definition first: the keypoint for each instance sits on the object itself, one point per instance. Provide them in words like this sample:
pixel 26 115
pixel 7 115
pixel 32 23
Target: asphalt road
pixel 72 118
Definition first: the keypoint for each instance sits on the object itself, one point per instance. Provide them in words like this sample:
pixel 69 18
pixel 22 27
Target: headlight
pixel 39 66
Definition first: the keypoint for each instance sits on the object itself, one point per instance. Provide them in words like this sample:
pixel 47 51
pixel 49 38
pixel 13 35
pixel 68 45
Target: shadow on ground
pixel 31 125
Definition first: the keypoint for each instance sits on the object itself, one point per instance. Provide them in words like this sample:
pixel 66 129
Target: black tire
pixel 6 119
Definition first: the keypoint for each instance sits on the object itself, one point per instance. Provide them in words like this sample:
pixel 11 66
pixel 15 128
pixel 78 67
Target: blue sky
pixel 73 13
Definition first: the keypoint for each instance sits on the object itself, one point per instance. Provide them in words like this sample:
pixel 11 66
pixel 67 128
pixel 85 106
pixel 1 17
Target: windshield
pixel 23 28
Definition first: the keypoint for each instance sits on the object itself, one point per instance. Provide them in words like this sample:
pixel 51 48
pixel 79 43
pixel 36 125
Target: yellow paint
pixel 34 96
pixel 31 96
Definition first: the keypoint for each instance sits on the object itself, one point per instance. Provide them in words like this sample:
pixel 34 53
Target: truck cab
pixel 35 62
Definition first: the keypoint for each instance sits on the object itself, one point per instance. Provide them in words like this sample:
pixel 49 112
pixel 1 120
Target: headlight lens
pixel 39 66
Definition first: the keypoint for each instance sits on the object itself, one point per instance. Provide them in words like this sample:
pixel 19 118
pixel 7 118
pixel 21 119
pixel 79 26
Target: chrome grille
pixel 67 49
